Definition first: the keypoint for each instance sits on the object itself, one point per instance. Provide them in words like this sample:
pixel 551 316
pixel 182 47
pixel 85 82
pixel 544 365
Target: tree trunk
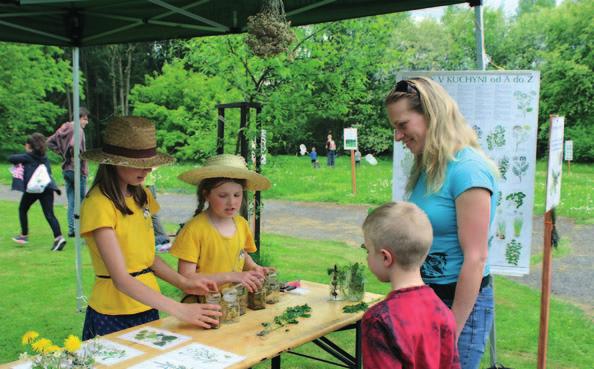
pixel 127 73
pixel 121 84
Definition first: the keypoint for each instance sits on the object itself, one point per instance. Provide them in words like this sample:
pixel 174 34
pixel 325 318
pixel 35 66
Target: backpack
pixel 40 179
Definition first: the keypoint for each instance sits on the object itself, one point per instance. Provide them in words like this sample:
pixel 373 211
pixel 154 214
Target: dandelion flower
pixel 29 336
pixel 72 343
pixel 52 348
pixel 41 345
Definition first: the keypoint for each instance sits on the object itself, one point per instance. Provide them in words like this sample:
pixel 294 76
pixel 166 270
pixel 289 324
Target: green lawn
pixel 293 178
pixel 38 289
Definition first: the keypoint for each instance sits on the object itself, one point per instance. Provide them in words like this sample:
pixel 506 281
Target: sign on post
pixel 568 150
pixel 350 139
pixel 555 162
pixel 502 108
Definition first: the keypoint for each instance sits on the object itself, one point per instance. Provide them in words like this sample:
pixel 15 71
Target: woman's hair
pixel 37 143
pixel 108 182
pixel 447 131
pixel 209 184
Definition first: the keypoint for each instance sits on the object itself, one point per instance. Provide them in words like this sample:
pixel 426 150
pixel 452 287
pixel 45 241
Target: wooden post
pixel 568 167
pixel 545 297
pixel 353 174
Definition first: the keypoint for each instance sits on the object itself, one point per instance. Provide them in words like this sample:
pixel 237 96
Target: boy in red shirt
pixel 411 327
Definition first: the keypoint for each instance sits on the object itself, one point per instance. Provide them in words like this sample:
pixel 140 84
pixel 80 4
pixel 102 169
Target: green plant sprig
pixel 289 316
pixel 351 309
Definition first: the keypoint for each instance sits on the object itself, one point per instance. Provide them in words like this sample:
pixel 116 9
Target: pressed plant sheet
pixel 502 108
pixel 107 352
pixel 156 338
pixel 193 356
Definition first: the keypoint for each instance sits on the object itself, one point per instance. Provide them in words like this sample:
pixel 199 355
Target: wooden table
pixel 241 339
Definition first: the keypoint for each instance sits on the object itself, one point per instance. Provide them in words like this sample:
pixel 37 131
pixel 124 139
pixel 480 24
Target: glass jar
pixel 230 306
pixel 242 292
pixel 257 299
pixel 214 298
pixel 272 286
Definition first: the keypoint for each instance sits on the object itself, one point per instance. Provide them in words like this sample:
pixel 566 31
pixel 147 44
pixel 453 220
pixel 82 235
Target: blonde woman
pixel 454 182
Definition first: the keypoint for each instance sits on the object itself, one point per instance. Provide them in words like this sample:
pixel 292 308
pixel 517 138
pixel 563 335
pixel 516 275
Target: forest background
pixel 335 75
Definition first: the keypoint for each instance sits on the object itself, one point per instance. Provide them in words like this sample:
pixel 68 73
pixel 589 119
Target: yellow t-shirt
pixel 201 243
pixel 137 243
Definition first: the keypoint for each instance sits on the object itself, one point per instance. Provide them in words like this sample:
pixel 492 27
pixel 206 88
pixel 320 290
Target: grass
pixel 38 290
pixel 293 178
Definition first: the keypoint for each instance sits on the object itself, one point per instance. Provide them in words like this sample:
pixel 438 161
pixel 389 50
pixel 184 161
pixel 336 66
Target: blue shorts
pixel 474 336
pixel 97 324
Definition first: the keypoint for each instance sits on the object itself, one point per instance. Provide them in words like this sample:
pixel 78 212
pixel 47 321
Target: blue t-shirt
pixel 313 155
pixel 468 170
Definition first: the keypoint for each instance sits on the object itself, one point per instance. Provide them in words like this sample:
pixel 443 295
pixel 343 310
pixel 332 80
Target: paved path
pixel 572 274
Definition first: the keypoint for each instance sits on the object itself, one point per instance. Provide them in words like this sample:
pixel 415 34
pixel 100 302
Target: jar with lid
pixel 242 294
pixel 214 298
pixel 272 288
pixel 230 306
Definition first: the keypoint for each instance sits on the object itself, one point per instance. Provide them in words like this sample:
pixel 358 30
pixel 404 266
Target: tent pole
pixel 76 113
pixel 481 63
pixel 479 36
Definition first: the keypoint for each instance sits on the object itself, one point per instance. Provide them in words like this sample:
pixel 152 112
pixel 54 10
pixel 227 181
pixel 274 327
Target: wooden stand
pixel 353 173
pixel 545 297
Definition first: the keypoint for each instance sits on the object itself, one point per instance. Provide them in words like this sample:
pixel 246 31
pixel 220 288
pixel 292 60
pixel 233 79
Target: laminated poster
pixel 193 356
pixel 502 108
pixel 155 338
pixel 107 352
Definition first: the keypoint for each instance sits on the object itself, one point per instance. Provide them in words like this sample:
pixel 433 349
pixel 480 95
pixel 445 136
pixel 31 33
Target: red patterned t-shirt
pixel 411 328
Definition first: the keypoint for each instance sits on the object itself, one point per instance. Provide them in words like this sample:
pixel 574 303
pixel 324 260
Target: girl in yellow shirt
pixel 216 242
pixel 116 224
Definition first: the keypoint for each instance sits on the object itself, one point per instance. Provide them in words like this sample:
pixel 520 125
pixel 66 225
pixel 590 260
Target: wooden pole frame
pixel 545 297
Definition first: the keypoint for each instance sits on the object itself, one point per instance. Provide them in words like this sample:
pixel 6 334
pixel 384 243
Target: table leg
pixel 276 362
pixel 358 355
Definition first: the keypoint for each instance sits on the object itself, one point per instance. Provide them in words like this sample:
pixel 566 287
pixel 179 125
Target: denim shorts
pixel 474 336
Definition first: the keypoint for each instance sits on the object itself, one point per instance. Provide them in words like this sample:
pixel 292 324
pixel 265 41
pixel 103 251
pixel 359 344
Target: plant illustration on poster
pixel 502 108
pixel 192 356
pixel 555 162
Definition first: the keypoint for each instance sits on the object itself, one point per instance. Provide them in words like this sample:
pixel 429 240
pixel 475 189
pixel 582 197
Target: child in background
pixel 116 224
pixel 217 240
pixel 34 156
pixel 162 243
pixel 313 155
pixel 357 157
pixel 412 327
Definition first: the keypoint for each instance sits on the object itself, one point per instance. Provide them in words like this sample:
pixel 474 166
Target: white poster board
pixel 555 162
pixel 350 139
pixel 502 107
pixel 568 150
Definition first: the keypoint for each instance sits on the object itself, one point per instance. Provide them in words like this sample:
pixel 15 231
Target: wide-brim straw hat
pixel 129 142
pixel 226 166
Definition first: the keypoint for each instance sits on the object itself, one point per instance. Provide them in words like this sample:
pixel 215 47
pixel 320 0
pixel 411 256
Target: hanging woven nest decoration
pixel 269 32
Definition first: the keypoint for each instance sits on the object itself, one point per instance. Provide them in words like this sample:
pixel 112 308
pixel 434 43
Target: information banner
pixel 502 108
pixel 350 139
pixel 555 162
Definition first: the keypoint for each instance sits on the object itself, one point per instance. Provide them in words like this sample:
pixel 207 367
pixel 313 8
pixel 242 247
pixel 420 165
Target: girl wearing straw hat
pixel 116 224
pixel 217 240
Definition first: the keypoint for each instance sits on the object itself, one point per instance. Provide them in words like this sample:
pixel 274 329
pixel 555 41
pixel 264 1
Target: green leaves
pixel 289 316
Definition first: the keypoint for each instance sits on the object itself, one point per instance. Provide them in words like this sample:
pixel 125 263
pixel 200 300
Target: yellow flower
pixel 41 345
pixel 72 343
pixel 52 348
pixel 28 337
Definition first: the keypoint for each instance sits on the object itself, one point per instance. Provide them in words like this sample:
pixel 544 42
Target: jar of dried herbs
pixel 230 306
pixel 272 288
pixel 214 298
pixel 242 293
pixel 257 299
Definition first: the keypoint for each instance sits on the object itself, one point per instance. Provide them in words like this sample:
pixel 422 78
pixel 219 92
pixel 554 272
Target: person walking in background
pixel 357 157
pixel 31 162
pixel 313 155
pixel 62 143
pixel 454 182
pixel 162 243
pixel 331 149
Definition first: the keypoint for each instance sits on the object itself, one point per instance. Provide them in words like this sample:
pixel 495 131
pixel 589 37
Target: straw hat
pixel 129 142
pixel 226 166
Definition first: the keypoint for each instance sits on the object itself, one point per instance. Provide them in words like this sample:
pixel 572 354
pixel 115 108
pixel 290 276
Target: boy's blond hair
pixel 402 228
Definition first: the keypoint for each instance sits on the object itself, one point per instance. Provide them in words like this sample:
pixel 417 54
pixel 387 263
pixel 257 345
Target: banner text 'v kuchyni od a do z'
pixel 502 108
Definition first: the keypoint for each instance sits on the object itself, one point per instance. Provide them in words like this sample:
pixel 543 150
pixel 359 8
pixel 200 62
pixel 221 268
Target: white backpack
pixel 39 180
